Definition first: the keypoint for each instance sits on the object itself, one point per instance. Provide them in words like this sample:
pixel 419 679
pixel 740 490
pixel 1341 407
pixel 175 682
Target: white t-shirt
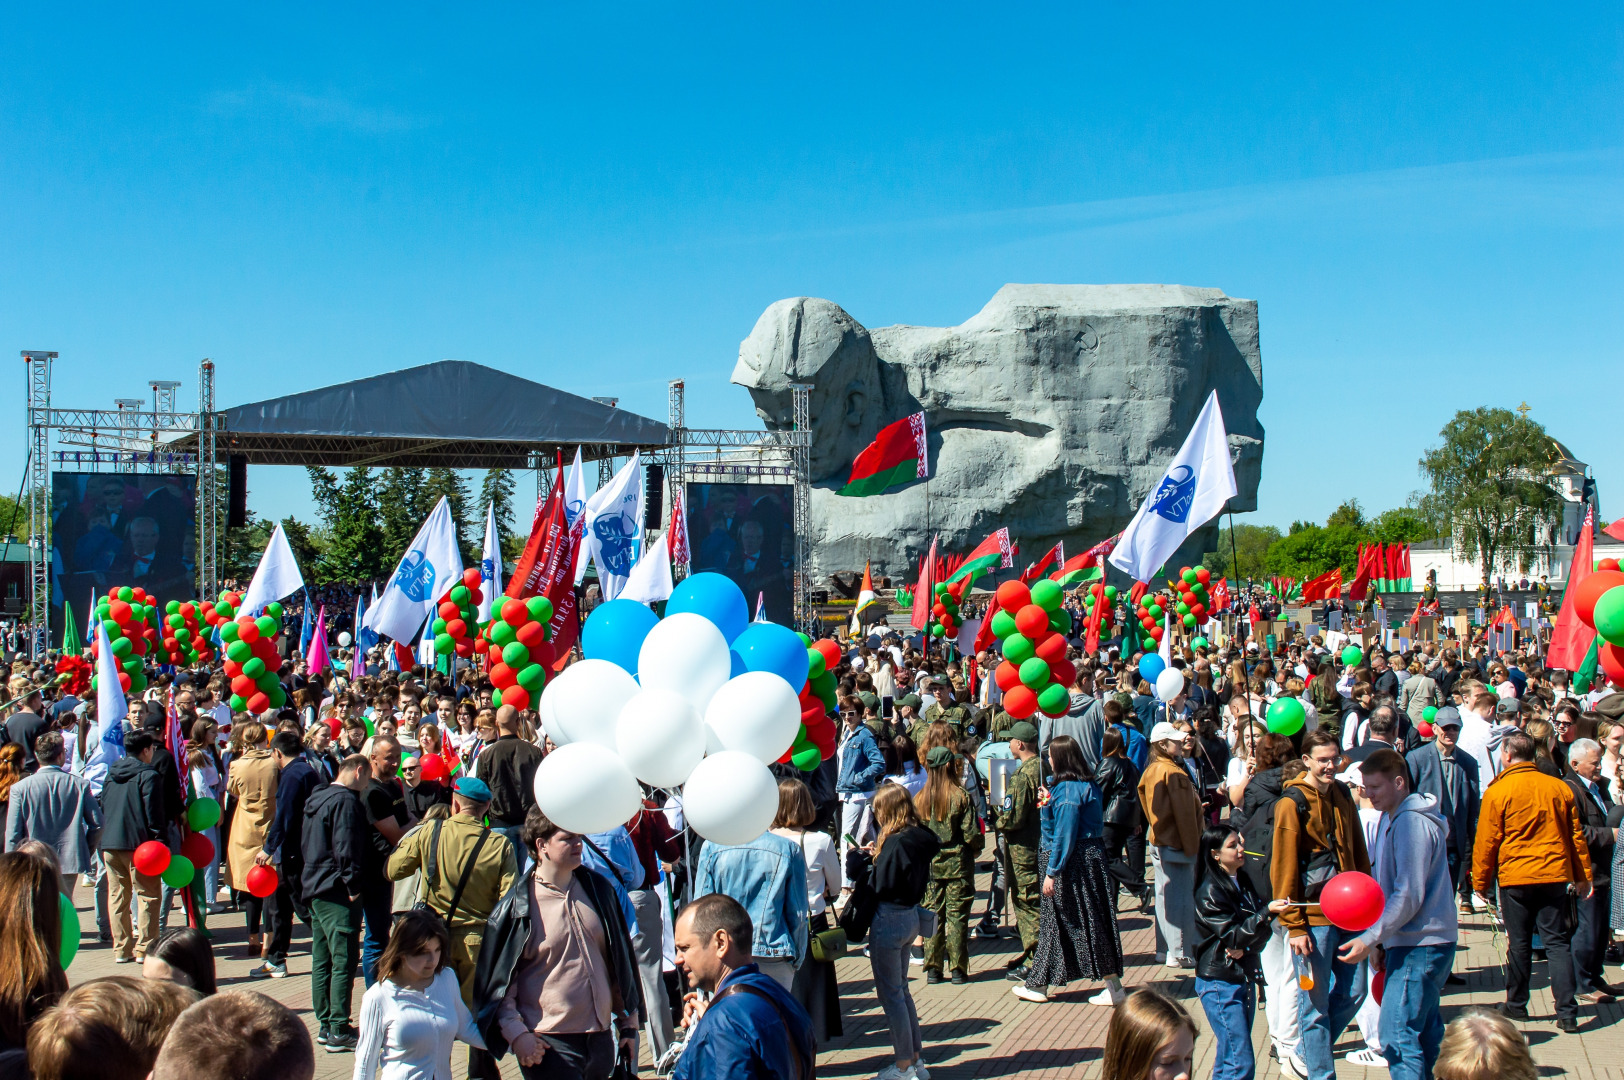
pixel 822 865
pixel 409 1034
pixel 912 778
pixel 1474 740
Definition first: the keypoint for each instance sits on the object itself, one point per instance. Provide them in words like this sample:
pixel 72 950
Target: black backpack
pixel 1257 838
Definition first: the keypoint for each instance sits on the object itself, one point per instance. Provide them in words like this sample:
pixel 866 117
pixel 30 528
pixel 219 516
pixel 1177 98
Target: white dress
pixel 408 1034
pixel 822 865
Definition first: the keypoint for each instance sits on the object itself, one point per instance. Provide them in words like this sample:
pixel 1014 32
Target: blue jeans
pixel 1229 1008
pixel 1411 1028
pixel 376 905
pixel 513 833
pixel 1324 1012
pixel 889 937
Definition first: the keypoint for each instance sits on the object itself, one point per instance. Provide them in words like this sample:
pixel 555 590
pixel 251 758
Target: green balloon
pixel 253 667
pixel 1182 608
pixel 371 731
pixel 274 610
pixel 225 611
pixel 1110 593
pixel 1199 643
pixel 805 640
pixel 1428 713
pixel 239 651
pixel 515 654
pixel 138 680
pixel 1054 698
pixel 70 930
pixel 1188 577
pixel 122 647
pixel 500 633
pixel 1018 649
pixel 1609 616
pixel 444 645
pixel 267 626
pixel 1047 594
pixel 179 873
pixel 1155 610
pixel 183 635
pixel 268 682
pixel 276 696
pixel 541 609
pixel 126 594
pixel 1149 644
pixel 437 627
pixel 131 667
pixel 172 608
pixel 941 588
pixel 1003 624
pixel 496 698
pixel 459 595
pixel 228 632
pixel 1286 716
pixel 238 703
pixel 533 678
pixel 1060 621
pixel 815 664
pixel 1351 656
pixel 1189 620
pixel 937 630
pixel 808 759
pixel 824 685
pixel 1035 673
pixel 203 814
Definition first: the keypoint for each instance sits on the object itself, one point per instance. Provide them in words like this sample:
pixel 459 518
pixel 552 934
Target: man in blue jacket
pixel 861 767
pixel 295 780
pixel 751 1028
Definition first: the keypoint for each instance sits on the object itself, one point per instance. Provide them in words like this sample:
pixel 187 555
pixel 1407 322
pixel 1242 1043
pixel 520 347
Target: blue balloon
pixel 615 632
pixel 715 597
pixel 766 646
pixel 735 665
pixel 1150 666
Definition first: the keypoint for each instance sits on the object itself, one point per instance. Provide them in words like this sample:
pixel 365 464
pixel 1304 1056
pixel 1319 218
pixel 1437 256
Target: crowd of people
pixel 399 816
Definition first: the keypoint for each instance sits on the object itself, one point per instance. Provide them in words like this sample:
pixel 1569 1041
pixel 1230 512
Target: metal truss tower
pixel 39 496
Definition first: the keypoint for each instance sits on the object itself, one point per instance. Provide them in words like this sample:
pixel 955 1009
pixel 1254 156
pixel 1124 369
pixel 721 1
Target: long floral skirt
pixel 1077 926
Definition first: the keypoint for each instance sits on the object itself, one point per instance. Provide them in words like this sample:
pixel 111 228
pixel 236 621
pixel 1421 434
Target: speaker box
pixel 653 496
pixel 236 491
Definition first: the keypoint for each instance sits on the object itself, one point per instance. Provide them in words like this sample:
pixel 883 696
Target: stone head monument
pixel 1051 411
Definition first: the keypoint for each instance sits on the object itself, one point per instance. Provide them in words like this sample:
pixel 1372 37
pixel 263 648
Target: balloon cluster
pixel 1599 603
pixel 1148 613
pixel 945 610
pixel 1166 682
pixel 816 740
pixel 1428 715
pixel 184 641
pixel 1101 593
pixel 456 622
pixel 1032 627
pixel 702 698
pixel 1192 595
pixel 516 642
pixel 252 663
pixel 129 615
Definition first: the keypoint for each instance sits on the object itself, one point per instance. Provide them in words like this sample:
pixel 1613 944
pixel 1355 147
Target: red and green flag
pixel 896 456
pixel 1089 566
pixel 992 553
pixel 1054 556
pixel 1573 644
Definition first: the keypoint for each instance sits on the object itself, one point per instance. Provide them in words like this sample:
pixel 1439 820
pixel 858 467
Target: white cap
pixel 1164 730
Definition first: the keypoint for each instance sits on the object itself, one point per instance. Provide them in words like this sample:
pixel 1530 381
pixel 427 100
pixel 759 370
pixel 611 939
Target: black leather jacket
pixel 1229 915
pixel 1118 782
pixel 1263 790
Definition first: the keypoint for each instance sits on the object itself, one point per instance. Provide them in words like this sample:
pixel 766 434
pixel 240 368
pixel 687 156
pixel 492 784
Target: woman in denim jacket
pixel 768 877
pixel 861 767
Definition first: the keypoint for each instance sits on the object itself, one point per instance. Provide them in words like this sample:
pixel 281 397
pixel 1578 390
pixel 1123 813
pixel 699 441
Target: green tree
pixel 438 482
pixel 1402 525
pixel 1350 514
pixel 349 514
pixel 402 505
pixel 1243 555
pixel 1491 480
pixel 497 490
pixel 14 518
pixel 1312 550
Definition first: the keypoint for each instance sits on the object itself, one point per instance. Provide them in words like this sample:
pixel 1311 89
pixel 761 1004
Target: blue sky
pixel 1428 205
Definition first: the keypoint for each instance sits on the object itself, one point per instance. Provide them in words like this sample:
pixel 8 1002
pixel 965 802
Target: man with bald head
pixel 508 767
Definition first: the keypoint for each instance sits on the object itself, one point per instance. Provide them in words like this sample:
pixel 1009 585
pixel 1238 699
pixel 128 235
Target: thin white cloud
pixel 325 109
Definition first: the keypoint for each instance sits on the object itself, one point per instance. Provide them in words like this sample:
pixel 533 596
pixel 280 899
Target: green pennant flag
pixel 1587 670
pixel 71 645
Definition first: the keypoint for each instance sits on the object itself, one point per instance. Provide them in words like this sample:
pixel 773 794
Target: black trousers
pixel 1125 856
pixel 1544 908
pixel 279 917
pixel 1590 941
pixel 574 1057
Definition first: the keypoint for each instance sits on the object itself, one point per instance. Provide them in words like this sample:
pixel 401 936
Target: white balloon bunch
pixel 682 721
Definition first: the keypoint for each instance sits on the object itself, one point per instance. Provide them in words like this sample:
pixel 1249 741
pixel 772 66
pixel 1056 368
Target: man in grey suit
pixel 58 808
pixel 1450 775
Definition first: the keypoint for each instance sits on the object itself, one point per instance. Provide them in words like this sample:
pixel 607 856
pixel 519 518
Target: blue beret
pixel 471 787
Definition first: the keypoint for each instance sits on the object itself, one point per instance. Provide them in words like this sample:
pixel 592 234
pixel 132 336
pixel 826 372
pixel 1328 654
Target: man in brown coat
pixel 1173 829
pixel 1316 836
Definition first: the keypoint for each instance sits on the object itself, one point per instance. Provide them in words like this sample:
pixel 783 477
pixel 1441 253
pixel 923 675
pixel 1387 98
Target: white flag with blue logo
pixel 111 709
pixel 613 529
pixel 1195 488
pixel 431 565
pixel 490 565
pixel 574 490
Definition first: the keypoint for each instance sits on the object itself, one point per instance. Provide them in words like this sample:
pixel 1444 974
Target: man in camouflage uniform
pixel 945 708
pixel 1022 829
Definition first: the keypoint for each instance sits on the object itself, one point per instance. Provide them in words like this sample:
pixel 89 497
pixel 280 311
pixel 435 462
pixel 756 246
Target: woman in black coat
pixel 1124 820
pixel 1232 926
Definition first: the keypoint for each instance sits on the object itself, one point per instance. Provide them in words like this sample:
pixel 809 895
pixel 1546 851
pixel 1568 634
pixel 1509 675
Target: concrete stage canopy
pixel 454 414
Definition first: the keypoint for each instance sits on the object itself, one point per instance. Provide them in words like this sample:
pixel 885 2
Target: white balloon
pixel 1168 684
pixel 660 737
pixel 344 639
pixel 730 798
pixel 686 653
pixel 757 713
pixel 583 703
pixel 586 788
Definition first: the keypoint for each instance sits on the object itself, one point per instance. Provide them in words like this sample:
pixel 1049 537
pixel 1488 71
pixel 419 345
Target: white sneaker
pixel 920 1069
pixel 1020 990
pixel 891 1072
pixel 1105 997
pixel 1367 1058
pixel 1292 1065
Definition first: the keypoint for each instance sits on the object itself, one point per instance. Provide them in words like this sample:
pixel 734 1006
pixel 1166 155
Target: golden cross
pixel 1524 409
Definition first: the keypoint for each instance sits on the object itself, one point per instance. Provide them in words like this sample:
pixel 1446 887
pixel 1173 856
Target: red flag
pixel 547 566
pixel 1091 642
pixel 1056 556
pixel 1220 595
pixel 1571 638
pixel 1327 586
pixel 1361 576
pixel 680 552
pixel 922 598
pixel 984 636
pixel 1616 529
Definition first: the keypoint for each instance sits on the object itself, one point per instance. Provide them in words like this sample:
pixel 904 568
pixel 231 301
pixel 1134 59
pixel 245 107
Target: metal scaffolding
pixel 39 495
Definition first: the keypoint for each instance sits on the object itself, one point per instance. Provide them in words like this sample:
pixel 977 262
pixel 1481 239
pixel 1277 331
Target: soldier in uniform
pixel 947 811
pixel 945 708
pixel 1022 829
pixel 463 837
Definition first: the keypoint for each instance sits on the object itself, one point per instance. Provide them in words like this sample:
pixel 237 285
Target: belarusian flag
pixel 1585 676
pixel 990 553
pixel 923 594
pixel 866 599
pixel 1053 556
pixel 1571 639
pixel 896 456
pixel 1089 566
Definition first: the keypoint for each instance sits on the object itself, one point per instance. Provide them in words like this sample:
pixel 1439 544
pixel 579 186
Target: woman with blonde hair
pixel 901 874
pixel 945 809
pixel 1150 1037
pixel 1483 1045
pixel 251 784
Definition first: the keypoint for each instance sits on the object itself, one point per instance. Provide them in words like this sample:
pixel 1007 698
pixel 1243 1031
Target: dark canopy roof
pixel 452 413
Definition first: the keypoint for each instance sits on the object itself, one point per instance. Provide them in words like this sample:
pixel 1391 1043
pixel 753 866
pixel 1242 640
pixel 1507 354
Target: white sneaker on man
pixel 891 1072
pixel 1020 990
pixel 1366 1058
pixel 1294 1066
pixel 920 1069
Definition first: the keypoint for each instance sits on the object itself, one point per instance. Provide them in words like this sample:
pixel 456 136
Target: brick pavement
pixel 981 1030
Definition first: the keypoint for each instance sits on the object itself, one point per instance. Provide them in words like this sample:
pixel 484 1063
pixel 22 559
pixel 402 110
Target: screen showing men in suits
pixel 112 529
pixel 747 531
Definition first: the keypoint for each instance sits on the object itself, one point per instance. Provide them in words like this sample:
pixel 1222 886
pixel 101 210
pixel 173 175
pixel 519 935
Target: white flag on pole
pixel 425 649
pixel 111 709
pixel 490 565
pixel 1166 651
pixel 278 574
pixel 650 580
pixel 431 565
pixel 1198 483
pixel 613 520
pixel 574 490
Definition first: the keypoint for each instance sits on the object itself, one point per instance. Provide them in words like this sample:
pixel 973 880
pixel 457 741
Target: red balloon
pixel 1352 901
pixel 531 634
pixel 188 611
pixel 449 611
pixel 243 686
pixel 517 696
pixel 151 858
pixel 1156 632
pixel 258 703
pixel 1199 611
pixel 199 849
pixel 1590 590
pixel 231 598
pixel 247 630
pixel 1013 596
pixel 1607 564
pixel 830 650
pixel 119 612
pixel 1612 662
pixel 262 881
pixel 1007 676
pixel 1425 729
pixel 503 677
pixel 433 767
pixel 1032 620
pixel 495 654
pixel 937 609
pixel 1063 672
pixel 1052 649
pixel 334 726
pixel 470 577
pixel 456 628
pixel 514 613
pixel 1019 701
pixel 1204 576
pixel 811 714
pixel 464 648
